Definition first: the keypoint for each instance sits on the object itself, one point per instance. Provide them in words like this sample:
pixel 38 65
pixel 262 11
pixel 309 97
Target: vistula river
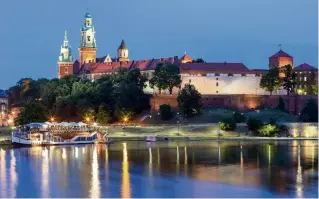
pixel 163 169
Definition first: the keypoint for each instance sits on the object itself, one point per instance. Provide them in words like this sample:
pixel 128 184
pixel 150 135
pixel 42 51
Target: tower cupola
pixel 65 62
pixel 122 52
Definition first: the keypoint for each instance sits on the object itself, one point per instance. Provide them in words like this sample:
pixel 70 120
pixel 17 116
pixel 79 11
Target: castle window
pixel 216 74
pixel 66 71
pixel 216 78
pixel 89 38
pixel 243 75
pixel 305 78
pixel 190 81
pixel 216 83
pixel 216 91
pixel 230 74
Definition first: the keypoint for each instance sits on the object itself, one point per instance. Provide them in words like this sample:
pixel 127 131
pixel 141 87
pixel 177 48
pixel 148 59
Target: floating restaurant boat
pixel 55 134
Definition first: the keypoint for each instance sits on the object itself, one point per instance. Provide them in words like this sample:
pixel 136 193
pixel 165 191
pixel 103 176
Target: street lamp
pixel 52 119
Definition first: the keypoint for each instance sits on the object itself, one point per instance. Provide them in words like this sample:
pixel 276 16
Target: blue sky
pixel 247 31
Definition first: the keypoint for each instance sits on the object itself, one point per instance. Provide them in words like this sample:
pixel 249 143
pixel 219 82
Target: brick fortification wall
pixel 293 103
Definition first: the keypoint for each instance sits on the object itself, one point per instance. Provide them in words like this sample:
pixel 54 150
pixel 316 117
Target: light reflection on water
pixel 163 169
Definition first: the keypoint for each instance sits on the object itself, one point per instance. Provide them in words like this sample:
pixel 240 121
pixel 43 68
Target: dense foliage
pixel 270 81
pixel 289 79
pixel 31 112
pixel 310 112
pixel 228 124
pixel 189 100
pixel 239 117
pixel 166 76
pixel 112 97
pixel 165 111
pixel 254 124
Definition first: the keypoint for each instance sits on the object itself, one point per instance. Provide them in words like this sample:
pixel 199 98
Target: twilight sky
pixel 247 31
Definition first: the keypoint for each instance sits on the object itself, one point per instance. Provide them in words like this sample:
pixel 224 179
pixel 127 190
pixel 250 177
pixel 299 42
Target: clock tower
pixel 87 50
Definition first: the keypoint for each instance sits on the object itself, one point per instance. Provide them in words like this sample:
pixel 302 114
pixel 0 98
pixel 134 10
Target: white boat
pixel 44 134
pixel 151 139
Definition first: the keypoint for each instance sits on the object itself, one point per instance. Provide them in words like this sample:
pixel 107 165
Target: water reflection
pixel 3 176
pixel 299 185
pixel 95 181
pixel 126 184
pixel 269 169
pixel 45 173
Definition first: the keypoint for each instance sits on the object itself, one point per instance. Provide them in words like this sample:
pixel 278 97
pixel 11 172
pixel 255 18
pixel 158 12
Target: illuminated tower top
pixel 87 32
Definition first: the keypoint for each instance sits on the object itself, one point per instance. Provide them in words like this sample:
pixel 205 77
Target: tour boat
pixel 55 134
pixel 151 139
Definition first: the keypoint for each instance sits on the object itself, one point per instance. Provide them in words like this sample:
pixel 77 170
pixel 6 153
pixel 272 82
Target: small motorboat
pixel 151 139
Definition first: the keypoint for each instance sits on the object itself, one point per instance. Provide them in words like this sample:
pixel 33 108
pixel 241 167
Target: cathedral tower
pixel 65 62
pixel 87 50
pixel 122 52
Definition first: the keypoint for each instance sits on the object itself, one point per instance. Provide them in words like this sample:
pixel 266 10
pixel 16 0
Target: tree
pixel 254 124
pixel 189 100
pixel 239 117
pixel 123 114
pixel 310 112
pixel 166 76
pixel 199 60
pixel 281 104
pixel 103 116
pixel 228 124
pixel 31 112
pixel 270 81
pixel 166 112
pixel 289 79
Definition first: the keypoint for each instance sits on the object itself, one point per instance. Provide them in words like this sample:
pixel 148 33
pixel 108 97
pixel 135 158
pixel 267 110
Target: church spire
pixel 65 53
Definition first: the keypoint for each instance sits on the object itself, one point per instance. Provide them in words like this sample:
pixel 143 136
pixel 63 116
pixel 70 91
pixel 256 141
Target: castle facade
pixel 209 78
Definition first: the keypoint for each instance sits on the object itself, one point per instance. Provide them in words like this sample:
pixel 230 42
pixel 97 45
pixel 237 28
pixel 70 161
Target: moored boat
pixel 54 134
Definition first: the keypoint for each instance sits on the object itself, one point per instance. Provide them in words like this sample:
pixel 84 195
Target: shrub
pixel 228 124
pixel 239 117
pixel 268 130
pixel 310 112
pixel 254 124
pixel 165 111
pixel 272 121
pixel 283 130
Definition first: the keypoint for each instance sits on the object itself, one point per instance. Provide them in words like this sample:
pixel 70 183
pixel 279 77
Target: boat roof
pixel 64 124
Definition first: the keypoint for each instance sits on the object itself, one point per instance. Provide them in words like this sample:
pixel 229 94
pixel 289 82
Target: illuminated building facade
pixel 209 78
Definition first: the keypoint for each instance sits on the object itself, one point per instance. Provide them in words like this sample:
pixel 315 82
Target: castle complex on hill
pixel 209 78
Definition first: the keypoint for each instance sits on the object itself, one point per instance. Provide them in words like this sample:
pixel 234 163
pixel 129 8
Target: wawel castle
pixel 209 78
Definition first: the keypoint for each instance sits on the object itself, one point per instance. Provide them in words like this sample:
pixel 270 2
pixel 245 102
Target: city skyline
pixel 166 31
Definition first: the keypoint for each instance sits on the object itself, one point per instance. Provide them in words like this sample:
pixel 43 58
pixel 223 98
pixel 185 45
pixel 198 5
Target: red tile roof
pixel 143 65
pixel 215 67
pixel 280 53
pixel 304 66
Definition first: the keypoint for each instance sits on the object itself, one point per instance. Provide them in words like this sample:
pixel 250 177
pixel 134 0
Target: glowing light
pixel 150 155
pixel 94 124
pixel 45 174
pixel 63 154
pixel 52 119
pixel 126 185
pixel 95 181
pixel 125 119
pixel 87 119
pixel 10 121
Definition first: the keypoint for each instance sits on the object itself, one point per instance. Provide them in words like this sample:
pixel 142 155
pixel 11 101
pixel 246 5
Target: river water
pixel 163 169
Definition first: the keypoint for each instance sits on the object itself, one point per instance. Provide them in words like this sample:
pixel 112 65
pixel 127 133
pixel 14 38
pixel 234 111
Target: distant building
pixel 209 78
pixel 3 108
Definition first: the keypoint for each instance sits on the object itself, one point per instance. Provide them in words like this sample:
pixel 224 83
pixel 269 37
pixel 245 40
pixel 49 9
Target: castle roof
pixel 123 45
pixel 87 14
pixel 280 53
pixel 143 65
pixel 305 66
pixel 214 67
pixel 186 58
